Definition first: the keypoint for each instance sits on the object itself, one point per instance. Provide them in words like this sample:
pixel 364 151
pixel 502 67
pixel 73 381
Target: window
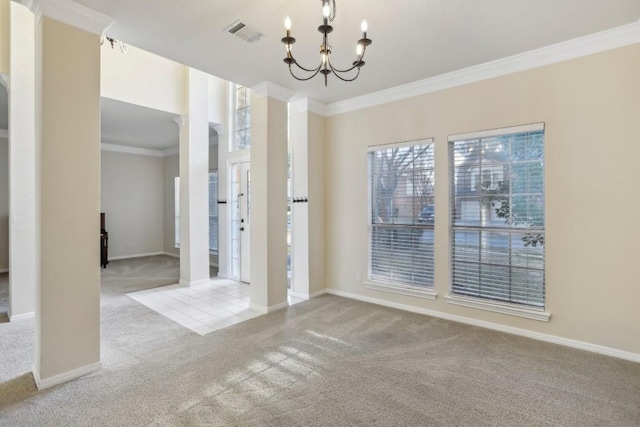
pixel 401 221
pixel 242 114
pixel 497 216
pixel 213 211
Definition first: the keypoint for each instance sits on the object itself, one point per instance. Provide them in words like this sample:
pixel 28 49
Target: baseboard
pixel 264 310
pixel 4 270
pixel 186 283
pixel 304 296
pixel 65 376
pixel 170 254
pixel 115 258
pixel 594 348
pixel 23 316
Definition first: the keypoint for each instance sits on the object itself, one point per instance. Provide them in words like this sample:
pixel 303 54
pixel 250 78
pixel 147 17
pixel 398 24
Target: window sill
pixel 497 307
pixel 412 291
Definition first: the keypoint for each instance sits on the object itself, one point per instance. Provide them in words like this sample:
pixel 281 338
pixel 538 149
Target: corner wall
pixel 590 106
pixel 4 204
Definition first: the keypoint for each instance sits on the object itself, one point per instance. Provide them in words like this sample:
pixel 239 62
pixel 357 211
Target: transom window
pixel 242 118
pixel 401 235
pixel 497 216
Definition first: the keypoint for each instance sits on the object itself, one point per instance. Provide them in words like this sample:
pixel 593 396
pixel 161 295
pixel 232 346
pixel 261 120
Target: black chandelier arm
pixel 312 70
pixel 303 79
pixel 345 79
pixel 357 64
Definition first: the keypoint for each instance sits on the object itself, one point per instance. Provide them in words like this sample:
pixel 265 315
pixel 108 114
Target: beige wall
pixel 4 204
pixel 142 78
pixel 68 313
pixel 591 107
pixel 4 36
pixel 132 199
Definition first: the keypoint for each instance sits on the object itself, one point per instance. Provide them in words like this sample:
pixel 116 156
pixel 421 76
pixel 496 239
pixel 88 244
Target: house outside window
pixel 401 219
pixel 497 216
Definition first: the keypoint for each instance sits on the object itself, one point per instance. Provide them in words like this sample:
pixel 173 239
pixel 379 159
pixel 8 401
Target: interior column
pixel 22 165
pixel 306 131
pixel 268 254
pixel 68 138
pixel 194 184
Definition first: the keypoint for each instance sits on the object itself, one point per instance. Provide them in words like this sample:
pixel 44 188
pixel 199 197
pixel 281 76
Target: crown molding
pixel 598 42
pixel 131 150
pixel 272 90
pixel 180 120
pixel 309 105
pixel 71 13
pixel 4 133
pixel 170 151
pixel 217 127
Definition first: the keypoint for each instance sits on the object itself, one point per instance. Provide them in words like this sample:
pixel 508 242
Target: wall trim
pixel 115 258
pixel 272 90
pixel 23 316
pixel 65 376
pixel 131 150
pixel 582 46
pixel 309 105
pixel 170 151
pixel 4 270
pixel 264 310
pixel 170 254
pixel 567 342
pixel 71 13
pixel 4 80
pixel 189 284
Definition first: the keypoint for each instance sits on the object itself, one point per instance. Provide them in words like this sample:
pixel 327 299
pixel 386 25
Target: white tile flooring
pixel 204 308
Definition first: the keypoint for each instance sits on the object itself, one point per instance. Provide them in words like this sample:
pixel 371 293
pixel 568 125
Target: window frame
pixel 504 307
pixel 233 142
pixel 420 291
pixel 217 250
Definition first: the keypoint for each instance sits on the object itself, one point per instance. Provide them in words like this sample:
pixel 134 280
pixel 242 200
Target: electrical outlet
pixel 358 277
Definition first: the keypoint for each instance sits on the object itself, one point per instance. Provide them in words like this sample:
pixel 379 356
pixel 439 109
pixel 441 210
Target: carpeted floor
pixel 329 361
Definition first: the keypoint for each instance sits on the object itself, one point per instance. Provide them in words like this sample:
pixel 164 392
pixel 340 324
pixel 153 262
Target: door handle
pixel 241 228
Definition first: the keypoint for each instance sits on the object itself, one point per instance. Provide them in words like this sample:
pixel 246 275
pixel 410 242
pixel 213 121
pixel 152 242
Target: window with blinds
pixel 213 211
pixel 401 184
pixel 497 215
pixel 242 115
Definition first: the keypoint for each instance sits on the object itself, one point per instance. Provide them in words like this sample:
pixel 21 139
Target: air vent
pixel 243 31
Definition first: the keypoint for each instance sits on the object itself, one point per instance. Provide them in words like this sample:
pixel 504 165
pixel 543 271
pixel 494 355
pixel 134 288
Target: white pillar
pixel 68 139
pixel 22 166
pixel 306 132
pixel 269 197
pixel 194 187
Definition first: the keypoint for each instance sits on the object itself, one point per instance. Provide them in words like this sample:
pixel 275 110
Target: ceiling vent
pixel 243 31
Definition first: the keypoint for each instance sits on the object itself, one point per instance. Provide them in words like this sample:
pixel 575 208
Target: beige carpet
pixel 329 361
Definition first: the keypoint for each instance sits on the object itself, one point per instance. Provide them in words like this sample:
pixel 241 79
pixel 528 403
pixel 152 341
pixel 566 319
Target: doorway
pixel 241 221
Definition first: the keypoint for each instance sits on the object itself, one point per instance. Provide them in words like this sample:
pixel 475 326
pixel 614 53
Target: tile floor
pixel 204 308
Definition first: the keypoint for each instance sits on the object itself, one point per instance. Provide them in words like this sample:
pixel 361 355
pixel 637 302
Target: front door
pixel 244 207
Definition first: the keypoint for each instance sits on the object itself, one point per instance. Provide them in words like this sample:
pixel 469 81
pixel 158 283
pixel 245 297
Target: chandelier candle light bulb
pixel 326 67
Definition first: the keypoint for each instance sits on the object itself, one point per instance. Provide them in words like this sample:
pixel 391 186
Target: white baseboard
pixel 186 283
pixel 23 316
pixel 170 254
pixel 115 258
pixel 65 376
pixel 306 296
pixel 4 270
pixel 594 348
pixel 264 310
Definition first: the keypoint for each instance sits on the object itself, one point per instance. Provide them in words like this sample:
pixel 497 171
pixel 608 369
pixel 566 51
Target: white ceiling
pixel 136 126
pixel 412 39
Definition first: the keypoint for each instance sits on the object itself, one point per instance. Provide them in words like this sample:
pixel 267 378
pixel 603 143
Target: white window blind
pixel 213 211
pixel 242 114
pixel 497 216
pixel 401 183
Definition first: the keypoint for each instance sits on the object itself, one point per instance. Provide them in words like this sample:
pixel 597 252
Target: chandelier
pixel 326 67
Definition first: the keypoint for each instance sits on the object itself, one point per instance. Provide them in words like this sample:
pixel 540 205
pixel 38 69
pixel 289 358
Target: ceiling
pixel 412 39
pixel 135 126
